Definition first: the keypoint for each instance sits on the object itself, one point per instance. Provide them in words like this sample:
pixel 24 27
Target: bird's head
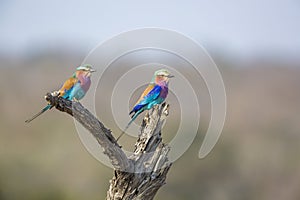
pixel 86 69
pixel 162 75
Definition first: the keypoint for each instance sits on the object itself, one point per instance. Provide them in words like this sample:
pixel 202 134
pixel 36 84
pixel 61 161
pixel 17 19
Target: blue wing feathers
pixel 68 92
pixel 150 97
pixel 74 92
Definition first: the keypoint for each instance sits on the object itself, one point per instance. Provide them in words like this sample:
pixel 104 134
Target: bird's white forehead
pixel 162 72
pixel 86 67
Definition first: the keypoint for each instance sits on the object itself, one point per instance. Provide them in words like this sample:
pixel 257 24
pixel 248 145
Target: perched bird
pixel 74 88
pixel 154 94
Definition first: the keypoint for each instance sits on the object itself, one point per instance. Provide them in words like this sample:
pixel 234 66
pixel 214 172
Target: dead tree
pixel 140 175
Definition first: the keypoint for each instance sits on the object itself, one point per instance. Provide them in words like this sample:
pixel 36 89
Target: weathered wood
pixel 142 174
pixel 103 135
pixel 150 161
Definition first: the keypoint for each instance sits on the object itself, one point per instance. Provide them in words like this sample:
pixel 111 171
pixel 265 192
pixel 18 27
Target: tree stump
pixel 144 172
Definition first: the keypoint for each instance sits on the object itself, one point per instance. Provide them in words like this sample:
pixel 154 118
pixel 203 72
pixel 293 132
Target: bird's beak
pixel 170 76
pixel 92 70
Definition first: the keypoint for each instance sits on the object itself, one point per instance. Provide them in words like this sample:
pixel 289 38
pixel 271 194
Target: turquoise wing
pixel 147 99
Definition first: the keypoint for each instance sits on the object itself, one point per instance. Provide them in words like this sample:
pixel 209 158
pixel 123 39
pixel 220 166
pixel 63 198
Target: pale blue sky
pixel 243 26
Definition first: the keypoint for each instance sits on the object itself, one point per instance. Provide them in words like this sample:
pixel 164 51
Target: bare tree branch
pixel 103 135
pixel 143 173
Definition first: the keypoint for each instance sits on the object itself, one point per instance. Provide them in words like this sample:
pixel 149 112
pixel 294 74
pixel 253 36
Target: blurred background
pixel 256 46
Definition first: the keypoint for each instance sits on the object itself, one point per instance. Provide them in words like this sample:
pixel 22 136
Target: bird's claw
pixel 55 93
pixel 75 100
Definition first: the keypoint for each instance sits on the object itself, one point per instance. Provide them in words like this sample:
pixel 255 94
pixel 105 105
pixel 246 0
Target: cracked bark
pixel 142 174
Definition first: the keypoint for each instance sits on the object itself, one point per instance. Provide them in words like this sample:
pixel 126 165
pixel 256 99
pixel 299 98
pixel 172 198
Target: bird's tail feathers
pixel 48 107
pixel 129 123
pixel 132 112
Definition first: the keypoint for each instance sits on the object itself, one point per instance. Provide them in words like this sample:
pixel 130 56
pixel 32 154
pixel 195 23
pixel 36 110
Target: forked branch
pixel 140 175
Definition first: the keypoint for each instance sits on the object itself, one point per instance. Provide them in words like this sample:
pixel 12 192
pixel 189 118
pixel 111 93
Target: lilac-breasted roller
pixel 154 94
pixel 74 88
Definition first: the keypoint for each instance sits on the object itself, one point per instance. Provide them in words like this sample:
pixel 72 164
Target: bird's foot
pixel 116 143
pixel 75 100
pixel 55 93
